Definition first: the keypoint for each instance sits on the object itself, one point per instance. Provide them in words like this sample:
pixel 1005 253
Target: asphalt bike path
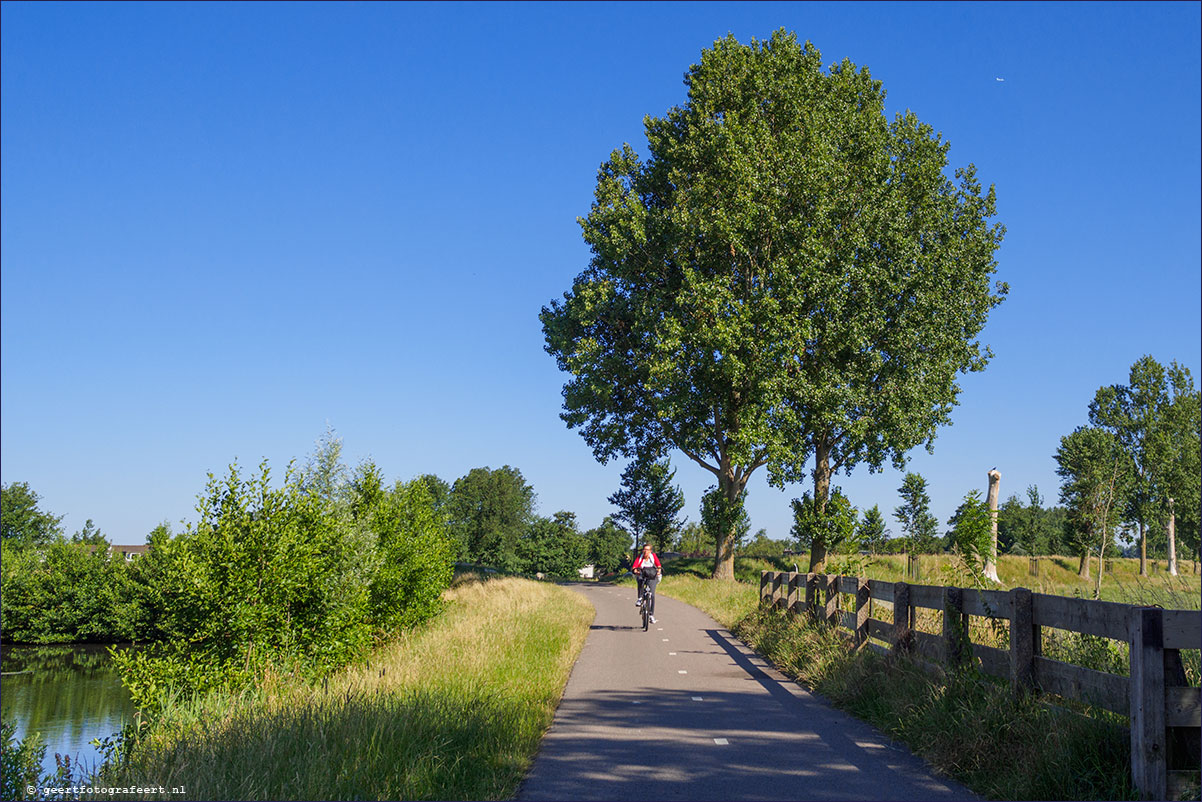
pixel 686 711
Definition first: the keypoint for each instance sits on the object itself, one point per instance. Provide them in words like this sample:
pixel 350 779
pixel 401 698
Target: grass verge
pixel 970 729
pixel 453 710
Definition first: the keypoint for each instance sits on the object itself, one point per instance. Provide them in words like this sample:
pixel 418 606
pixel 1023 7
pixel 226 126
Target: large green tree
pixel 608 546
pixel 1177 455
pixel 552 546
pixel 1139 415
pixel 648 503
pixel 489 510
pixel 1095 474
pixel 22 523
pixel 788 276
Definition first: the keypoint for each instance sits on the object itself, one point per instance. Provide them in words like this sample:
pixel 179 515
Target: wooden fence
pixel 1164 712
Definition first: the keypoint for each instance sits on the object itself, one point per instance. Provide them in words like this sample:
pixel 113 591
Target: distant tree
pixel 834 524
pixel 1177 453
pixel 1095 471
pixel 972 534
pixel 21 522
pixel 608 546
pixel 489 510
pixel 789 275
pixel 552 546
pixel 873 532
pixel 914 515
pixel 694 539
pixel 725 521
pixel 1137 415
pixel 1011 516
pixel 763 546
pixel 1026 528
pixel 90 535
pixel 440 491
pixel 648 504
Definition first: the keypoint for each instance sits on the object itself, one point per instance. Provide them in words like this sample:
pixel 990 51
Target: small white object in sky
pixel 999 79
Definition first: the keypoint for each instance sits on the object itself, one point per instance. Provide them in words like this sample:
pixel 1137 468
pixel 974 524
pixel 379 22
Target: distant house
pixel 129 553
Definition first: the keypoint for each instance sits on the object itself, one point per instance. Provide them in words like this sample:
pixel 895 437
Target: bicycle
pixel 645 605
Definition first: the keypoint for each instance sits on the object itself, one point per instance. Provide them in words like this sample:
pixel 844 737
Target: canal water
pixel 70 694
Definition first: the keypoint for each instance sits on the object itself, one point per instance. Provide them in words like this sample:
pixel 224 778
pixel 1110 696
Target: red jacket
pixel 638 563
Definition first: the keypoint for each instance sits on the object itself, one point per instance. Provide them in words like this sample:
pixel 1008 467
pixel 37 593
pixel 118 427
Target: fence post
pixel 812 595
pixel 1022 641
pixel 862 598
pixel 955 627
pixel 1149 769
pixel 902 637
pixel 793 601
pixel 765 580
pixel 831 613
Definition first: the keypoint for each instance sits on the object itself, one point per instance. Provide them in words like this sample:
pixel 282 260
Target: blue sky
pixel 224 226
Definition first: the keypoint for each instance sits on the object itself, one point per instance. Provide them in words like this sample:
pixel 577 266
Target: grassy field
pixel 454 710
pixel 960 724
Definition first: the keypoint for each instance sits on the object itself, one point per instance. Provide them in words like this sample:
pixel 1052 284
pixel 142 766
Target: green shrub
pixel 20 762
pixel 63 592
pixel 416 557
pixel 300 579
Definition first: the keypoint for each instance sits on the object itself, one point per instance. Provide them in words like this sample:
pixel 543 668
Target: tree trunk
pixel 1083 568
pixel 822 488
pixel 1143 549
pixel 724 551
pixel 995 480
pixel 1172 540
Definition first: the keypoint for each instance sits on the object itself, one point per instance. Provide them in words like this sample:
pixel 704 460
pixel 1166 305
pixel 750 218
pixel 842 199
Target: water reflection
pixel 70 694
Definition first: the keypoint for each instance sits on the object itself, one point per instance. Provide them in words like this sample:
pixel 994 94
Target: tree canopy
pixel 914 515
pixel 1150 418
pixel 648 503
pixel 788 275
pixel 488 511
pixel 1095 473
pixel 22 523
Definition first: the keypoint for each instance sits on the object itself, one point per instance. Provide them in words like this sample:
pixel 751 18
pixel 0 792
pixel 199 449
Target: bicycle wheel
pixel 646 615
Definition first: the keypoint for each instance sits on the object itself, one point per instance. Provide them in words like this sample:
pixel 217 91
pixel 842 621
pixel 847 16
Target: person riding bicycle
pixel 647 570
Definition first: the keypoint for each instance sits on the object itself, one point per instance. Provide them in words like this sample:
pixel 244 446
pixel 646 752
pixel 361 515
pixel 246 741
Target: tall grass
pixel 975 730
pixel 454 710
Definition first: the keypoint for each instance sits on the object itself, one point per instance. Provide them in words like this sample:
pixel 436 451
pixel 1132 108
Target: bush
pixel 20 762
pixel 416 557
pixel 287 579
pixel 64 592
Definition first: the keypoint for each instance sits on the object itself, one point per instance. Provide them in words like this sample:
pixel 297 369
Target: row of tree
pixel 1136 466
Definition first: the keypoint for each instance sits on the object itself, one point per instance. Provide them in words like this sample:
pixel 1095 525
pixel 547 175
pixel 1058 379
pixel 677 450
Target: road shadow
pixel 648 744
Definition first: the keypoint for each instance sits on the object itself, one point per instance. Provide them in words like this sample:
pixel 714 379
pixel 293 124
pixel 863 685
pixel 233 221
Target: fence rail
pixel 1162 709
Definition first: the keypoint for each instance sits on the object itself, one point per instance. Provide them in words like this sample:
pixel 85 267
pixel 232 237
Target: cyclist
pixel 647 569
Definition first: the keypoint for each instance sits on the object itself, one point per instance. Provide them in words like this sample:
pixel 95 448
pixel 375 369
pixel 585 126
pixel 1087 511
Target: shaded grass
pixel 970 728
pixel 454 710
